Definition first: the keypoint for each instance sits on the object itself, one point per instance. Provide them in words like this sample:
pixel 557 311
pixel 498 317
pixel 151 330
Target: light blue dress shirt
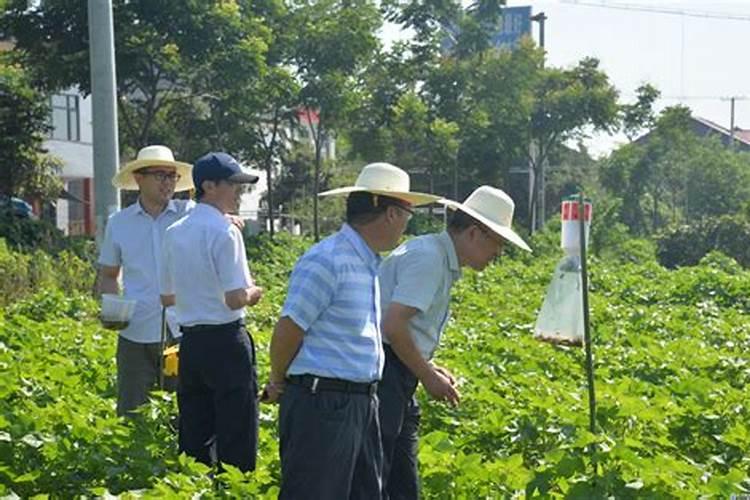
pixel 420 274
pixel 133 242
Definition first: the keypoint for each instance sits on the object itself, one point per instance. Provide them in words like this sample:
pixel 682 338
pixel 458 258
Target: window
pixel 66 123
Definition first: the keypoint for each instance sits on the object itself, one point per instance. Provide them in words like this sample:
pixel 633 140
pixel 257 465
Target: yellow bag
pixel 172 360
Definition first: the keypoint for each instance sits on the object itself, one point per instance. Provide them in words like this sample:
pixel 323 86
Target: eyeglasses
pixel 162 176
pixel 409 211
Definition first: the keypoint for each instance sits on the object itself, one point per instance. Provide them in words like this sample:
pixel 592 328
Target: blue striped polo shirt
pixel 334 296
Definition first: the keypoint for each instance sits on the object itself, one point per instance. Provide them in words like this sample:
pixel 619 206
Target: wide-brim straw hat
pixel 385 179
pixel 154 156
pixel 493 208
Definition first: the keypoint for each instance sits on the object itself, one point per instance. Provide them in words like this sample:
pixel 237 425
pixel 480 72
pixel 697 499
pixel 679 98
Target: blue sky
pixel 691 60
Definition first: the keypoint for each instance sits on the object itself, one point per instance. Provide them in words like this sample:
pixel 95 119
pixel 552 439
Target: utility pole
pixel 104 111
pixel 732 100
pixel 538 209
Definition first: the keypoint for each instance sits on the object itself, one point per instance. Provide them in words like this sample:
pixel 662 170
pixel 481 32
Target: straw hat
pixel 153 156
pixel 493 208
pixel 385 179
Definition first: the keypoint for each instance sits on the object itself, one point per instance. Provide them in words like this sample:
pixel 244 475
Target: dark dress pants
pixel 217 395
pixel 330 445
pixel 399 422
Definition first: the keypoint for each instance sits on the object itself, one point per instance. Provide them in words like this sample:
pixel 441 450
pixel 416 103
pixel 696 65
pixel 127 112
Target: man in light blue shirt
pixel 132 248
pixel 416 281
pixel 326 350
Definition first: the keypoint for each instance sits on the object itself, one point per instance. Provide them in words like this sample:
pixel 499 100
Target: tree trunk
pixel 269 173
pixel 316 186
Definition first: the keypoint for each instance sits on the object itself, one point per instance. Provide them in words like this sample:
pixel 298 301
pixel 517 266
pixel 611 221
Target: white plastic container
pixel 117 309
pixel 571 230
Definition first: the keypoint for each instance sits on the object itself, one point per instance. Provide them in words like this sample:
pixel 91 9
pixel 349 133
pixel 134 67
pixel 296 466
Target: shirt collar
pixel 171 207
pixel 368 256
pixel 450 250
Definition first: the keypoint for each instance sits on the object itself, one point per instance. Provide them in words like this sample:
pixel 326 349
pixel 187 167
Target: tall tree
pixel 25 168
pixel 168 54
pixel 334 41
pixel 568 103
pixel 671 175
pixel 639 115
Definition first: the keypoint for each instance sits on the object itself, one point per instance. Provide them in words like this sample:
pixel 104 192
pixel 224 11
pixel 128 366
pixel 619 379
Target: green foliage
pixel 686 245
pixel 23 273
pixel 424 223
pixel 672 176
pixel 672 368
pixel 171 57
pixel 25 169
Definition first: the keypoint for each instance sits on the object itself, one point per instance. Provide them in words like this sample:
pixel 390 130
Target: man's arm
pixel 107 280
pixel 437 383
pixel 285 342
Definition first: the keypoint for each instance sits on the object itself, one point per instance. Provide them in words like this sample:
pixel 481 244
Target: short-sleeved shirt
pixel 334 297
pixel 420 274
pixel 133 242
pixel 204 257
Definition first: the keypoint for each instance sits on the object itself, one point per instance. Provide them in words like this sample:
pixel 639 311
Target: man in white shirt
pixel 206 276
pixel 415 283
pixel 132 246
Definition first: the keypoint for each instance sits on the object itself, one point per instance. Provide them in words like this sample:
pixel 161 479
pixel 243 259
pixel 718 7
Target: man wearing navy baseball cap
pixel 217 388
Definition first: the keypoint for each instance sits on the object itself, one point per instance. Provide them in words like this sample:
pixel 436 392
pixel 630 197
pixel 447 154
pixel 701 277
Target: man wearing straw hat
pixel 132 246
pixel 416 280
pixel 326 349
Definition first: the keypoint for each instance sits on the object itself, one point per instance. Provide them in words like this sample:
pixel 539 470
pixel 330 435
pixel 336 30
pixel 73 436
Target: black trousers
pixel 330 445
pixel 399 422
pixel 217 395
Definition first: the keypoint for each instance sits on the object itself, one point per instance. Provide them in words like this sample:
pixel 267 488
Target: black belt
pixel 212 328
pixel 315 384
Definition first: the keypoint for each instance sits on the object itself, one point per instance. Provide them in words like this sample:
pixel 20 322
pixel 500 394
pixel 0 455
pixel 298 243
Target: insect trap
pixel 561 319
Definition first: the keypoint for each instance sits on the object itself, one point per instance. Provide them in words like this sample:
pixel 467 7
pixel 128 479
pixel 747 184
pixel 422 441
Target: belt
pixel 315 384
pixel 212 328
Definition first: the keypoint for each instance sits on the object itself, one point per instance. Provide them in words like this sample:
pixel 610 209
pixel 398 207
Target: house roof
pixel 740 135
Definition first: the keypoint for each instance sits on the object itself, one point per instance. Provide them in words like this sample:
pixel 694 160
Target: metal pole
pixel 586 328
pixel 541 17
pixel 731 123
pixel 538 217
pixel 104 111
pixel 162 346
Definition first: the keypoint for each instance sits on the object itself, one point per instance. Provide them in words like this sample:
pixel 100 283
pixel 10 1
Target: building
pixel 70 140
pixel 702 127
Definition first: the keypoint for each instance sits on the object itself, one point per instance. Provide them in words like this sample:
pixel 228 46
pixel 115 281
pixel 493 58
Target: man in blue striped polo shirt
pixel 326 350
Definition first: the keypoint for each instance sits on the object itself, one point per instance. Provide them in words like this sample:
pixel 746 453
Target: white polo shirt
pixel 420 274
pixel 133 242
pixel 203 258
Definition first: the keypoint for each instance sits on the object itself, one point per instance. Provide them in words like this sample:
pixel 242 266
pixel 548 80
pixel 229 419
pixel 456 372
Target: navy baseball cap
pixel 220 166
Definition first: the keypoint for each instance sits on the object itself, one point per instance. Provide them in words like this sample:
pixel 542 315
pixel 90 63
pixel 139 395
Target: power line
pixel 683 97
pixel 660 10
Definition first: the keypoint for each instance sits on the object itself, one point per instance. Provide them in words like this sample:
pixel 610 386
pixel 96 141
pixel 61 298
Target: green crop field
pixel 672 355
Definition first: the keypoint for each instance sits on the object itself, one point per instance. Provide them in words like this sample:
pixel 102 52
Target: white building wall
pixel 77 157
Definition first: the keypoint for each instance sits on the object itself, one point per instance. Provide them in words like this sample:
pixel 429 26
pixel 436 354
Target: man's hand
pixel 444 372
pixel 272 392
pixel 440 387
pixel 254 295
pixel 236 220
pixel 243 297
